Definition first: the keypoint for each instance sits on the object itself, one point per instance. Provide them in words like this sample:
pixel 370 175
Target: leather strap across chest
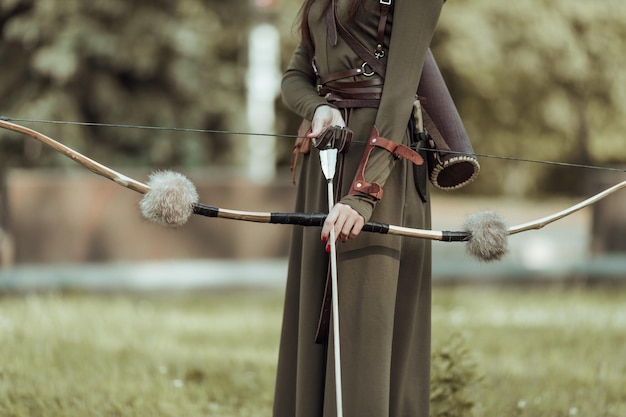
pixel 371 58
pixel 350 93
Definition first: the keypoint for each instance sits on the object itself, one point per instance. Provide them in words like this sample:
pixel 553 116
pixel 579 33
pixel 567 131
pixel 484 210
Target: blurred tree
pixel 535 79
pixel 140 62
pixel 143 62
pixel 541 79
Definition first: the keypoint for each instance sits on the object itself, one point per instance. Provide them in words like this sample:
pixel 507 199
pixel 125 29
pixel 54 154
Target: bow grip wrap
pixel 312 219
pixel 447 236
pixel 204 210
pixel 376 227
pixel 300 219
pixel 317 219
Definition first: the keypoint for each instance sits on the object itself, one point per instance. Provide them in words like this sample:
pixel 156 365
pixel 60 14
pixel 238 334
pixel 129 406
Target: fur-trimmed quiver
pixel 452 163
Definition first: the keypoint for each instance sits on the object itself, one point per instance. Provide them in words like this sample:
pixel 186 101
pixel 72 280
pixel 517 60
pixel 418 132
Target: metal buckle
pixel 314 65
pixel 365 72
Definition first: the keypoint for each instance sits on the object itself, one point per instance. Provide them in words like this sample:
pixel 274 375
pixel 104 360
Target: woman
pixel 384 281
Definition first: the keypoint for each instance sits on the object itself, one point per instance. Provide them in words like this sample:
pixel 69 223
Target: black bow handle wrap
pixel 315 219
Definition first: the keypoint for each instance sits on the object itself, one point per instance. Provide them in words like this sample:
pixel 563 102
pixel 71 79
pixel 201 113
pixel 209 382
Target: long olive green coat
pixel 384 281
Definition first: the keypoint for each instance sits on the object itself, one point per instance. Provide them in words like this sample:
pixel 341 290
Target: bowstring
pixel 291 136
pixel 144 127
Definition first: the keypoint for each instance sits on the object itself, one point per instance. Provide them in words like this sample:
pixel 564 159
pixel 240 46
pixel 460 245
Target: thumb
pixel 316 128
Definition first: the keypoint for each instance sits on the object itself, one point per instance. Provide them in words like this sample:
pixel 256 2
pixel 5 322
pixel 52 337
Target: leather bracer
pixel 399 151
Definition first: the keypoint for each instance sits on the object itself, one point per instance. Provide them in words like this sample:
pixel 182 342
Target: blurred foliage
pixel 142 62
pixel 533 79
pixel 539 79
pixel 453 375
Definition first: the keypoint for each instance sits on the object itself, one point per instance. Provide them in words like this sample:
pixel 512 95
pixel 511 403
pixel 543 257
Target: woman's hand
pixel 346 221
pixel 324 117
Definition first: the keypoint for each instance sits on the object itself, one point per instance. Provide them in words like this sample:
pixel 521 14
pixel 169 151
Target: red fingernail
pixel 324 239
pixel 327 248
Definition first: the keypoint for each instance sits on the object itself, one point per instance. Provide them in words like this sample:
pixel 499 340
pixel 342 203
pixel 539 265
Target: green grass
pixel 510 351
pixel 540 352
pixel 83 355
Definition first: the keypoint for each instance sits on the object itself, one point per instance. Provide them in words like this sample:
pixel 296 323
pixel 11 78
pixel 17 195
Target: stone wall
pixel 76 216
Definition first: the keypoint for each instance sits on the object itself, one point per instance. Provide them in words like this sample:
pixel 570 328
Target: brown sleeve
pixel 300 96
pixel 298 86
pixel 414 22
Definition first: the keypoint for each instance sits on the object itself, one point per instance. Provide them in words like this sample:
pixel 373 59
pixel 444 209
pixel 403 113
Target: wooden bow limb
pixel 304 219
pixel 540 223
pixel 88 163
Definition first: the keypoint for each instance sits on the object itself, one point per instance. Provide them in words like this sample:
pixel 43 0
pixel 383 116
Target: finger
pixel 343 225
pixel 338 121
pixel 335 222
pixel 347 229
pixel 316 130
pixel 329 224
pixel 357 226
pixel 321 119
pixel 352 226
pixel 349 223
